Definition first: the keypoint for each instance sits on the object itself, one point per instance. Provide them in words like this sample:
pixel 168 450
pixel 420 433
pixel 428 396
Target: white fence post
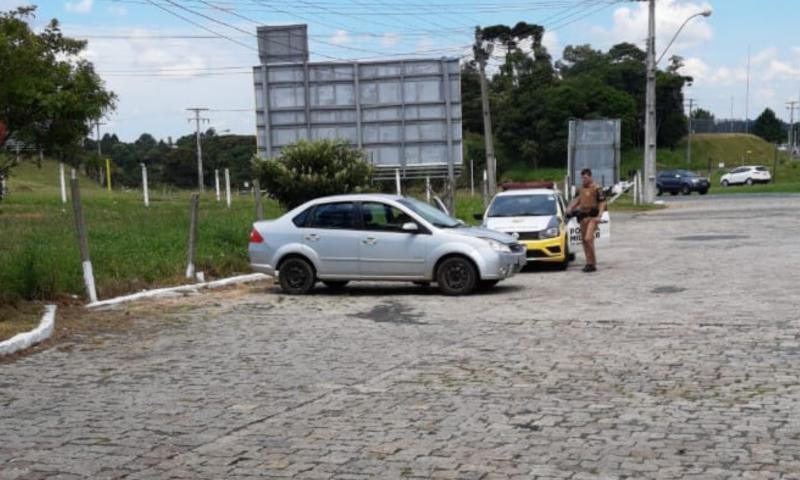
pixel 216 182
pixel 228 187
pixel 63 182
pixel 145 188
pixel 428 189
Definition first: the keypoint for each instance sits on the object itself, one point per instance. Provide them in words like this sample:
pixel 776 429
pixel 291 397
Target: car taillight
pixel 256 237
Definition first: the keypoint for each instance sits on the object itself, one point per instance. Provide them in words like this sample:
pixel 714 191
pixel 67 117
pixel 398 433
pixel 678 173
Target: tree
pixel 48 94
pixel 308 170
pixel 768 127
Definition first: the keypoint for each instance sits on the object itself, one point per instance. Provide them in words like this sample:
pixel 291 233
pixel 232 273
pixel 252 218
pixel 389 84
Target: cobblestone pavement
pixel 679 359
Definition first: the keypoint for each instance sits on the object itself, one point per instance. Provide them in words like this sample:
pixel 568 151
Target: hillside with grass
pixel 734 150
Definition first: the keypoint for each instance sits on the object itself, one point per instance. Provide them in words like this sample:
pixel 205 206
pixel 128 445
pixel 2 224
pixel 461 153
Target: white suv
pixel 746 175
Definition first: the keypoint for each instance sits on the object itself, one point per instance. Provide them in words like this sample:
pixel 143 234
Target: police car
pixel 536 214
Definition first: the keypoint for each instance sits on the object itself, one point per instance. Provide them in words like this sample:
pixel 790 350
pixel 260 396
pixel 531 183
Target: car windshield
pixel 523 206
pixel 686 173
pixel 433 215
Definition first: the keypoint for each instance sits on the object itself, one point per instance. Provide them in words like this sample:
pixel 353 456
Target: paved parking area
pixel 679 359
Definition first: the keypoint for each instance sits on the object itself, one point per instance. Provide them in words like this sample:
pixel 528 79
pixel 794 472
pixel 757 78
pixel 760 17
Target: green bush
pixel 308 170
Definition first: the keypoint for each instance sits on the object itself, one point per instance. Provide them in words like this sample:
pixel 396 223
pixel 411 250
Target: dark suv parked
pixel 683 181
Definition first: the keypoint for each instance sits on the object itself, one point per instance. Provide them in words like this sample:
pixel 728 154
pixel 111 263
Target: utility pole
pixel 731 125
pixel 747 96
pixel 481 55
pixel 649 189
pixel 689 141
pixel 791 106
pixel 198 120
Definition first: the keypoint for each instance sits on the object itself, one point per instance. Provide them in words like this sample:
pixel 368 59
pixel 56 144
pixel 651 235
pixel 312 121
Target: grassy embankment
pixel 708 150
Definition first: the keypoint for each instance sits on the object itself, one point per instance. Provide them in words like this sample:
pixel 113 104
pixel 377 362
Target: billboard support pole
pixel 451 177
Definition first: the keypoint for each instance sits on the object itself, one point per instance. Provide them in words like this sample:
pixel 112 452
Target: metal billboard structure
pixel 406 114
pixel 594 144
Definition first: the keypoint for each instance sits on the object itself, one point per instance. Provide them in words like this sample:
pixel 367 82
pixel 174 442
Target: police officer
pixel 588 206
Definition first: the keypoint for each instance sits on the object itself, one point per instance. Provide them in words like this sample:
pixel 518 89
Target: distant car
pixel 681 181
pixel 380 237
pixel 536 217
pixel 746 176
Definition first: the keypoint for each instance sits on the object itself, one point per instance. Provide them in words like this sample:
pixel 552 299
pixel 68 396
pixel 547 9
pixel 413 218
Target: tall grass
pixel 131 247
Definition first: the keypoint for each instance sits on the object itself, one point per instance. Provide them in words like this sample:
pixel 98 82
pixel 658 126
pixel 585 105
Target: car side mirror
pixel 477 216
pixel 410 227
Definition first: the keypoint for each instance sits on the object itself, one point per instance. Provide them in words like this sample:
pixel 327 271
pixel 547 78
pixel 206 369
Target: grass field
pixel 131 247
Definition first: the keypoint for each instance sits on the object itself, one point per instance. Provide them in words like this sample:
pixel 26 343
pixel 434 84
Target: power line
pixel 153 3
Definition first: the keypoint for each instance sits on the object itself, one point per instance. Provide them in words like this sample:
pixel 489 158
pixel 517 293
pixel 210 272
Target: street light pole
pixel 649 187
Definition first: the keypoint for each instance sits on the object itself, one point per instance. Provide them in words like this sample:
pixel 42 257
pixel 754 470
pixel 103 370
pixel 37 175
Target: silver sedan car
pixel 380 237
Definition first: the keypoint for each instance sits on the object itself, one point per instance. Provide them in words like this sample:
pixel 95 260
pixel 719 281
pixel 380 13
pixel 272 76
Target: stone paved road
pixel 679 360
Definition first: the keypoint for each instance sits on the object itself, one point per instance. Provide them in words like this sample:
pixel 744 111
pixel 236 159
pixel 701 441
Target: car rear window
pixel 761 169
pixel 333 215
pixel 301 218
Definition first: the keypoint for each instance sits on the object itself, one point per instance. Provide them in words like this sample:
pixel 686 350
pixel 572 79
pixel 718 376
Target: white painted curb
pixel 162 292
pixel 24 340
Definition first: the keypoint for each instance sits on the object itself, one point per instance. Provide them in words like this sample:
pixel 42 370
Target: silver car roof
pixel 357 197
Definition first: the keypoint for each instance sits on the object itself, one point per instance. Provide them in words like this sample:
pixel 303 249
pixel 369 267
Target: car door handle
pixel 369 241
pixel 312 237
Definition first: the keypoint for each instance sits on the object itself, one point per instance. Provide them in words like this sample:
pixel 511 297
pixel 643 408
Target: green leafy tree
pixel 769 127
pixel 48 94
pixel 308 170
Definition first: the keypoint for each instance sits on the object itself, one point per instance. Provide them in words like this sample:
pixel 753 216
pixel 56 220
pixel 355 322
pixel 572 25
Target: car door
pixel 331 235
pixel 385 249
pixel 739 175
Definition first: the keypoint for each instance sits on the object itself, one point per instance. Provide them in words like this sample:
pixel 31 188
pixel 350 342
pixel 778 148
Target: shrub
pixel 312 169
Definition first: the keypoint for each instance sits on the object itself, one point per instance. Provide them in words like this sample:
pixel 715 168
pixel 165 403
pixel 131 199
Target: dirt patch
pixel 392 312
pixel 668 289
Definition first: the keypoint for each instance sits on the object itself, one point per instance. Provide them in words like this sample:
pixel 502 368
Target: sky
pixel 163 56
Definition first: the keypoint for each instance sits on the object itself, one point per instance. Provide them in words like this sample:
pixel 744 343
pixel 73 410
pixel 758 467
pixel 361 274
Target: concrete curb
pixel 162 292
pixel 24 340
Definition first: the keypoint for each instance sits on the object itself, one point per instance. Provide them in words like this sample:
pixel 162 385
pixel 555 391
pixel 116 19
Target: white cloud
pixel 340 37
pixel 156 79
pixel 390 39
pixel 796 51
pixel 764 56
pixel 781 70
pixel 6 5
pixel 550 42
pixel 80 6
pixel 630 25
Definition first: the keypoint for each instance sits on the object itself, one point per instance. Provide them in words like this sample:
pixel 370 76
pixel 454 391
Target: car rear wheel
pixel 659 191
pixel 686 190
pixel 456 276
pixel 724 183
pixel 749 182
pixel 703 191
pixel 335 284
pixel 296 276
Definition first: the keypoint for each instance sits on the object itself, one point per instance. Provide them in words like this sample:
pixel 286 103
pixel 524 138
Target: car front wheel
pixel 724 183
pixel 703 191
pixel 686 190
pixel 456 276
pixel 749 182
pixel 296 276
